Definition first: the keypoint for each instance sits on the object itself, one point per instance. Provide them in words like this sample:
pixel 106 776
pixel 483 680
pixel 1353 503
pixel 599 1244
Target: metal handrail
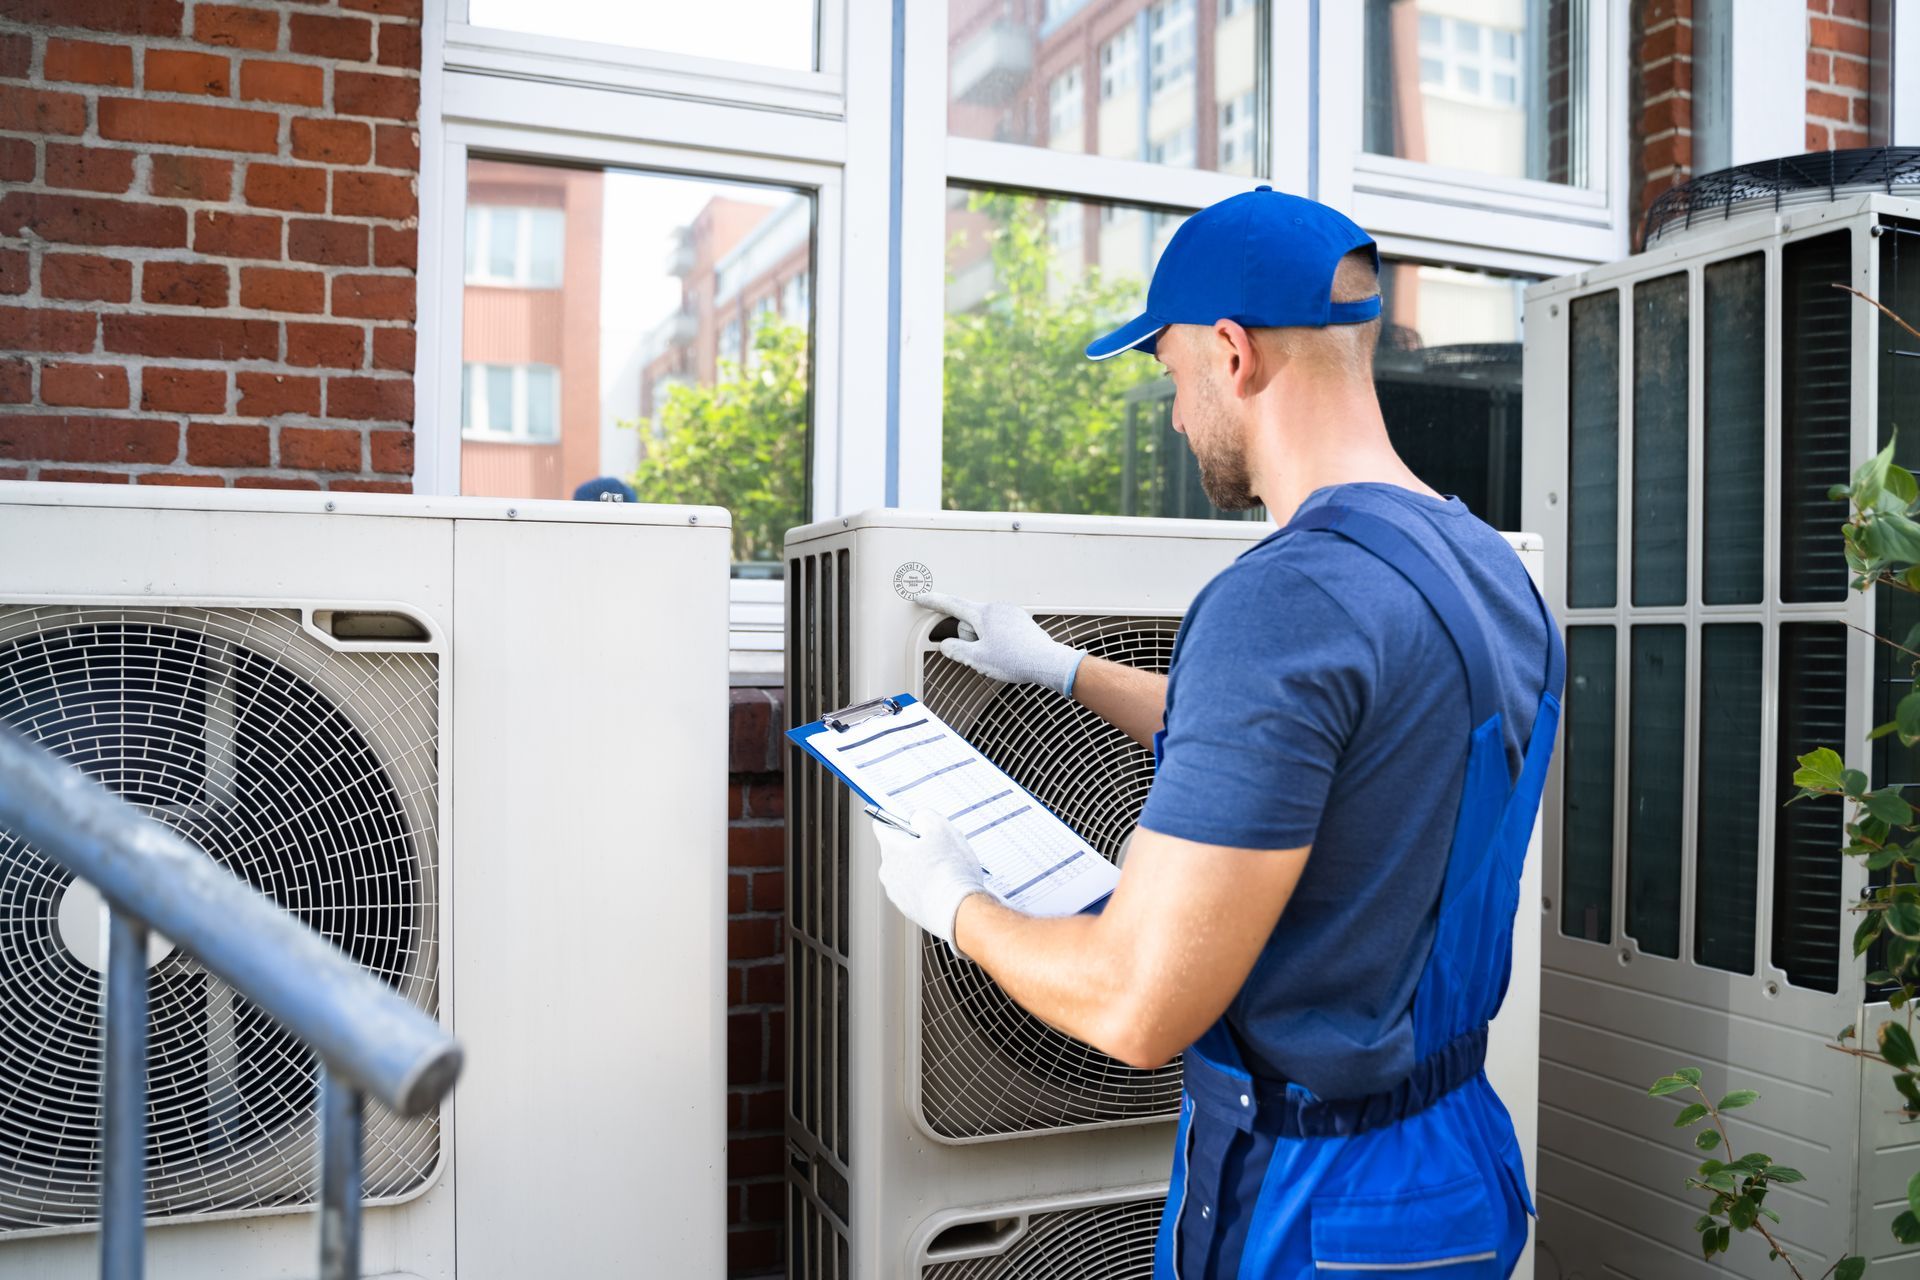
pixel 369 1039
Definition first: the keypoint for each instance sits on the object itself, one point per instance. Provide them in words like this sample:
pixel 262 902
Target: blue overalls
pixel 1273 1183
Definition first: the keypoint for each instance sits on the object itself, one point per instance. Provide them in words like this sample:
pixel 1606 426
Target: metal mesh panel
pixel 817 1245
pixel 1099 1242
pixel 989 1068
pixel 309 773
pixel 1816 177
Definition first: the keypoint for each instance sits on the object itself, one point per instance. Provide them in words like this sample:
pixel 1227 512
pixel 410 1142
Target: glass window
pixel 1727 826
pixel 1593 447
pixel 1806 867
pixel 1166 70
pixel 1660 441
pixel 1497 87
pixel 1586 835
pixel 631 360
pixel 769 33
pixel 1816 412
pixel 1734 430
pixel 1656 764
pixel 1447 372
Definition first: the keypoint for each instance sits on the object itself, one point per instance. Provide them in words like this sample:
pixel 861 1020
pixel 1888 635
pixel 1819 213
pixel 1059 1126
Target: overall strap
pixel 1556 652
pixel 1460 616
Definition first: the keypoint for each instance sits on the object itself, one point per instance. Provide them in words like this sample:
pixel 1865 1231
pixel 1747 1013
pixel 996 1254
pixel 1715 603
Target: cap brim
pixel 1137 334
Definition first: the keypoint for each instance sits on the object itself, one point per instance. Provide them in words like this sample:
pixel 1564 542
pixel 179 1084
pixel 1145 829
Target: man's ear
pixel 1240 357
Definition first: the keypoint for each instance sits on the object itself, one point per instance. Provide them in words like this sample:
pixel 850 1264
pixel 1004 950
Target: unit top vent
pixel 1772 185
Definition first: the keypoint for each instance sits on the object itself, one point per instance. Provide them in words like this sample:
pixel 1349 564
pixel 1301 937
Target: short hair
pixel 1340 348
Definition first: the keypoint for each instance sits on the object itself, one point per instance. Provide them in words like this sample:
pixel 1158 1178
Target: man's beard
pixel 1223 460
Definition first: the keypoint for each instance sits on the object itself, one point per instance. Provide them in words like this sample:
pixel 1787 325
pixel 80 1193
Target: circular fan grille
pixel 1099 1242
pixel 308 773
pixel 988 1067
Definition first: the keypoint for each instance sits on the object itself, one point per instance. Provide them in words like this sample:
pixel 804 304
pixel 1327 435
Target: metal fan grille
pixel 311 774
pixel 1098 1242
pixel 988 1068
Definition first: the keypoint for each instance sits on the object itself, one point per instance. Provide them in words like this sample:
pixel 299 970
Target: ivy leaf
pixel 1690 1116
pixel 1900 485
pixel 1854 783
pixel 1820 770
pixel 1910 1090
pixel 1848 1268
pixel 1881 859
pixel 1888 806
pixel 1866 932
pixel 1869 478
pixel 1690 1074
pixel 1738 1098
pixel 1904 919
pixel 1898 537
pixel 1741 1213
pixel 1906 1228
pixel 1707 1140
pixel 1752 1162
pixel 1913 1188
pixel 1907 717
pixel 1668 1084
pixel 1722 1181
pixel 1781 1173
pixel 1880 731
pixel 1896 1046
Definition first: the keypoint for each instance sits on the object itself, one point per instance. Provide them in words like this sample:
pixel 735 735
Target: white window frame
pixel 525 217
pixel 475 372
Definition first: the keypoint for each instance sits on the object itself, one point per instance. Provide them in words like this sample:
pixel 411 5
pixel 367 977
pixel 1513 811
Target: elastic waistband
pixel 1287 1111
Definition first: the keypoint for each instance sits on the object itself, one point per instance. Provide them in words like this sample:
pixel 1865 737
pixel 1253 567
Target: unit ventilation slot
pixel 1096 1242
pixel 817 1246
pixel 309 773
pixel 988 1068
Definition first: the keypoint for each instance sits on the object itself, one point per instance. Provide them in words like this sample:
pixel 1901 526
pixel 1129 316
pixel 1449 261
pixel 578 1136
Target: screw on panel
pixel 1016 526
pixel 1626 956
pixel 513 513
pixel 1553 499
pixel 693 519
pixel 1553 309
pixel 329 506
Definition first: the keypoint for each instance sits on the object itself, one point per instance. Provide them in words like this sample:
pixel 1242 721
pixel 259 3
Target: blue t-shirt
pixel 1316 699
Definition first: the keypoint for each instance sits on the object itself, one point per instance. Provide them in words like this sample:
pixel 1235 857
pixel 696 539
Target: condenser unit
pixel 1687 411
pixel 480 747
pixel 935 1129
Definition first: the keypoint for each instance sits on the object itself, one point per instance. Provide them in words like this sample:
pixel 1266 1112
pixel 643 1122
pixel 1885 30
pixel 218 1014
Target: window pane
pixel 1656 760
pixel 1505 96
pixel 1448 376
pixel 1727 834
pixel 613 368
pixel 1586 838
pixel 1131 79
pixel 1735 429
pixel 1593 446
pixel 769 33
pixel 1660 441
pixel 503 244
pixel 1816 359
pixel 1807 834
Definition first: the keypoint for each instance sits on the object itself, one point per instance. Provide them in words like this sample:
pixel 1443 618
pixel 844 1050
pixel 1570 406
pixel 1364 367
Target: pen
pixel 882 816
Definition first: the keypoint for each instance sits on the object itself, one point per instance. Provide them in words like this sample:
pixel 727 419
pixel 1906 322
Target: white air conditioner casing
pixel 1749 973
pixel 536 691
pixel 936 1131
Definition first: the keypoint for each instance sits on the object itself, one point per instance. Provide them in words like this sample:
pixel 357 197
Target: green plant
pixel 1738 1184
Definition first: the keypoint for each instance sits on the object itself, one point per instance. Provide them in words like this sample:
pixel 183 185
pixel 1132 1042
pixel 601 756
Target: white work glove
pixel 1003 642
pixel 930 874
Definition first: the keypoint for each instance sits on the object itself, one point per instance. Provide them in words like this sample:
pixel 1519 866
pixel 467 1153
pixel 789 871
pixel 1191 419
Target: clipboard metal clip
pixel 847 717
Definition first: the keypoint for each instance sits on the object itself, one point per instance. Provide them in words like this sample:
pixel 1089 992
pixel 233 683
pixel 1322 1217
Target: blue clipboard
pixel 807 736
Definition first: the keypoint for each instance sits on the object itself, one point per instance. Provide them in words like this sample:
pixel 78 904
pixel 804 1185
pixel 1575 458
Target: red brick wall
pixel 207 241
pixel 1662 95
pixel 757 984
pixel 1838 42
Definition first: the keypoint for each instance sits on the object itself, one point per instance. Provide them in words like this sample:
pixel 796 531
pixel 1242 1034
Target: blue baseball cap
pixel 1262 258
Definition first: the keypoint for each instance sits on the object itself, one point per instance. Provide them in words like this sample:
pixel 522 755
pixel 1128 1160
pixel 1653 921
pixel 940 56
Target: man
pixel 1318 906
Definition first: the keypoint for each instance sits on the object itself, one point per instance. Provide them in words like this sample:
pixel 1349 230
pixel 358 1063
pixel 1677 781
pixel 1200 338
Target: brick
pixel 381 399
pixel 222 444
pixel 756 846
pixel 128 17
pixel 1667 76
pixel 402 8
pixel 319 449
pixel 391 451
pixel 16 384
pixel 1819 67
pixel 362 93
pixel 267 395
pixel 336 244
pixel 396 146
pixel 1829 106
pixel 373 297
pixel 45 329
pixel 400 45
pixel 332 141
pixel 275 482
pixel 235 235
pixel 83 277
pixel 185 284
pixel 232 27
pixel 373 195
pixel 746 1048
pixel 1818 138
pixel 16 55
pixel 86 62
pixel 25 110
pixel 322 36
pixel 370 486
pixel 166 390
pixel 189 124
pixel 281 289
pixel 1853 10
pixel 769 891
pixel 752 939
pixel 765 800
pixel 15 271
pixel 189 177
pixel 736 799
pixel 1839 37
pixel 753 1250
pixel 396 247
pixel 766 1201
pixel 766 984
pixel 63 476
pixel 750 741
pixel 756 1157
pixel 84 386
pixel 1671 41
pixel 92 220
pixel 181 480
pixel 325 346
pixel 79 168
pixel 18 160
pixel 297 189
pixel 1862 110
pixel 13 473
pixel 1675 150
pixel 192 337
pixel 393 349
pixel 1850 73
pixel 185 71
pixel 1848 138
pixel 294 83
pixel 736 894
pixel 63 437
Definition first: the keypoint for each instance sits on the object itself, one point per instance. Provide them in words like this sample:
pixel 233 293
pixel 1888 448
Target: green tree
pixel 740 443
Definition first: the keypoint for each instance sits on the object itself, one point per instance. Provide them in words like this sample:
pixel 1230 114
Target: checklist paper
pixel 905 759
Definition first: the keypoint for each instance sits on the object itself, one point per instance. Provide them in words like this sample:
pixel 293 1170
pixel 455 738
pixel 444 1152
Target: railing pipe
pixel 124 1099
pixel 341 1176
pixel 366 1034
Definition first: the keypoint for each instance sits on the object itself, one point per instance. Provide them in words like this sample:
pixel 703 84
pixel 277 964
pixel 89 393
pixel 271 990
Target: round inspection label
pixel 912 579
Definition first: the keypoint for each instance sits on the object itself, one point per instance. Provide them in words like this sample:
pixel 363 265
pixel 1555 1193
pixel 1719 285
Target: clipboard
pixel 898 756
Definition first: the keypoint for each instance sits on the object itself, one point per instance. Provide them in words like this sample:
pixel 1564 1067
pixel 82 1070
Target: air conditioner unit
pixel 1687 410
pixel 935 1129
pixel 479 746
